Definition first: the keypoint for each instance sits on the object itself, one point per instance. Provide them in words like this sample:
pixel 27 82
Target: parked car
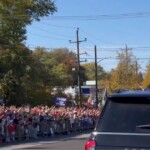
pixel 124 123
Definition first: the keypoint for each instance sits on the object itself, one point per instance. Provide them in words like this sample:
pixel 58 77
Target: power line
pixel 102 17
pixel 90 58
pixel 41 29
pixel 113 49
pixel 94 37
pixel 114 58
pixel 90 17
pixel 91 35
pixel 117 48
pixel 58 26
pixel 35 34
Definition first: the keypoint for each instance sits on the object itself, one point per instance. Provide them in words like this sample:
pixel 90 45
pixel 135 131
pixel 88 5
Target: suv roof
pixel 138 93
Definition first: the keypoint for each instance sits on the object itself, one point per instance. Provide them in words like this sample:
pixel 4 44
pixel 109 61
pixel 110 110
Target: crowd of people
pixel 23 123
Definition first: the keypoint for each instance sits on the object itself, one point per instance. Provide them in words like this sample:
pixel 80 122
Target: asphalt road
pixel 68 142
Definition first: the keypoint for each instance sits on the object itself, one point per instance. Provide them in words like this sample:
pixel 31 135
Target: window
pixel 125 114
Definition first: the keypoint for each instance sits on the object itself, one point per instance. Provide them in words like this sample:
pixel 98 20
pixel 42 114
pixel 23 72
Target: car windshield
pixel 126 115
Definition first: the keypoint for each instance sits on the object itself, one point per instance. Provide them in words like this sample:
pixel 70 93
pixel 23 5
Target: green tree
pixel 15 57
pixel 16 15
pixel 13 67
pixel 59 62
pixel 90 71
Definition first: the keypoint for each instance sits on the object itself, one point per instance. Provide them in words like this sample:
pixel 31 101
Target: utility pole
pixel 78 62
pixel 136 68
pixel 127 59
pixel 96 89
pixel 127 54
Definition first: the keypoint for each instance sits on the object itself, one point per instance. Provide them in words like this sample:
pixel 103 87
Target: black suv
pixel 124 123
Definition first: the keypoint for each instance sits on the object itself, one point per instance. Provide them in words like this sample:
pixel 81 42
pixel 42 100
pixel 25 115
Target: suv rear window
pixel 125 114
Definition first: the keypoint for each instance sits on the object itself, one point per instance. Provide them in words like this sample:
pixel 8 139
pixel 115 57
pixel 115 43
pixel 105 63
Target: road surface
pixel 68 142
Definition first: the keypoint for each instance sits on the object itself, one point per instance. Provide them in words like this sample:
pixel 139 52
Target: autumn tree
pixel 126 75
pixel 146 81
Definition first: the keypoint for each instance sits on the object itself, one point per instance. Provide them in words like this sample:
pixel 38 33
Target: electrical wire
pixel 35 34
pixel 41 29
pixel 96 17
pixel 58 26
pixel 113 49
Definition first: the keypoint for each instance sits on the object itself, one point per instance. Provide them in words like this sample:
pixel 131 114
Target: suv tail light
pixel 90 145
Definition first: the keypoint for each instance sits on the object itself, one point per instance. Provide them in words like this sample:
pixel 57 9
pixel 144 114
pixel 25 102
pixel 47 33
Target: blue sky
pixel 109 35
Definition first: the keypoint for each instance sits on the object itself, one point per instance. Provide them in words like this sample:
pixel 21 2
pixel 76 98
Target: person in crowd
pixel 27 122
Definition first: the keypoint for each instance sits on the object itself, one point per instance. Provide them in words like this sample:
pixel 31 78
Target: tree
pixel 13 68
pixel 59 62
pixel 90 71
pixel 16 59
pixel 126 75
pixel 146 81
pixel 16 15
